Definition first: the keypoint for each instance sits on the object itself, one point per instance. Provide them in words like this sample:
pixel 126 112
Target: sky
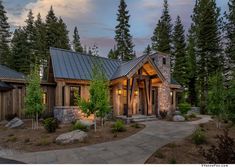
pixel 96 19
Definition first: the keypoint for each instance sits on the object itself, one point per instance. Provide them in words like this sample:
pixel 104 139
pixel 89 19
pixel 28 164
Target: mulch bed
pixel 28 140
pixel 185 151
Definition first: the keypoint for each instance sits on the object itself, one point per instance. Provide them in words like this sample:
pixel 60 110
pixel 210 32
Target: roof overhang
pixel 147 59
pixel 5 87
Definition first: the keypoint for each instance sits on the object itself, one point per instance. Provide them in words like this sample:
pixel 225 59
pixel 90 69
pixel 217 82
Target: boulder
pixel 14 123
pixel 178 118
pixel 177 112
pixel 86 123
pixel 71 137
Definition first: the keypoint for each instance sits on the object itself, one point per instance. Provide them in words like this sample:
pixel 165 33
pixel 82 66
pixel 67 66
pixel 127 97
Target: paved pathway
pixel 135 149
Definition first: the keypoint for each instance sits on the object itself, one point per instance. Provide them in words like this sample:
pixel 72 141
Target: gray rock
pixel 177 112
pixel 14 123
pixel 71 137
pixel 178 118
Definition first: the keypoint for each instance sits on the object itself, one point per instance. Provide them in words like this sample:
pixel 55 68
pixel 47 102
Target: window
pixel 164 60
pixel 75 92
pixel 44 98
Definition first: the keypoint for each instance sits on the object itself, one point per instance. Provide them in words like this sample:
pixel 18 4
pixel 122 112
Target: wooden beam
pixel 133 90
pixel 128 99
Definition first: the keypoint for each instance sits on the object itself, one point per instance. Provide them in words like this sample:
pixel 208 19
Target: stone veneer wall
pixel 66 114
pixel 164 89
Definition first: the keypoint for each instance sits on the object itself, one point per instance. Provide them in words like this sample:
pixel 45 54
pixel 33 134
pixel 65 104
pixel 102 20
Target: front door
pixel 141 101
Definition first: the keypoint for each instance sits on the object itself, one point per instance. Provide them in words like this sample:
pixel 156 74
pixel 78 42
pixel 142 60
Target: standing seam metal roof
pixel 8 73
pixel 72 65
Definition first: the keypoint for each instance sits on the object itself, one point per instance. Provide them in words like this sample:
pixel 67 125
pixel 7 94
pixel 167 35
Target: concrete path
pixel 135 149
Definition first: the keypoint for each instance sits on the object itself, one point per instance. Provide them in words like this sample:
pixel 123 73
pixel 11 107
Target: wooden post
pixel 129 114
pixel 150 107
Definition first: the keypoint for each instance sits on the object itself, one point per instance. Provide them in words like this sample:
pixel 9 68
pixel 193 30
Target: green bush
pixel 79 126
pixel 193 115
pixel 118 126
pixel 184 108
pixel 136 125
pixel 50 124
pixel 199 137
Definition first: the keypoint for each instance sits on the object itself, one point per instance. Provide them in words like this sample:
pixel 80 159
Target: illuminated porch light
pixel 136 93
pixel 171 93
pixel 119 91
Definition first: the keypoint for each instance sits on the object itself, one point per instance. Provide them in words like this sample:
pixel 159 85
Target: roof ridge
pixel 66 50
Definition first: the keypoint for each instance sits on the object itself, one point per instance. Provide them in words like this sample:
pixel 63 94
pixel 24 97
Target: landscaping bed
pixel 185 151
pixel 26 139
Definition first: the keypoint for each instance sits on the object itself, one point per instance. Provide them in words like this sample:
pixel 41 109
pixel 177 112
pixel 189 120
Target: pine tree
pixel 20 52
pixel 41 47
pixel 147 50
pixel 31 37
pixel 208 50
pixel 230 38
pixel 192 68
pixel 161 40
pixel 63 41
pixel 4 36
pixel 76 41
pixel 123 37
pixel 180 72
pixel 95 50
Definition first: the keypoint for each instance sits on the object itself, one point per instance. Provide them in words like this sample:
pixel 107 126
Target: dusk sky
pixel 96 19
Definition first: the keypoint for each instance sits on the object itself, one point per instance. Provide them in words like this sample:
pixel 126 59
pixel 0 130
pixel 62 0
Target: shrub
pixel 12 139
pixel 163 114
pixel 224 153
pixel 172 161
pixel 10 117
pixel 118 126
pixel 46 115
pixel 43 142
pixel 184 108
pixel 79 126
pixel 50 124
pixel 192 115
pixel 136 125
pixel 199 137
pixel 159 155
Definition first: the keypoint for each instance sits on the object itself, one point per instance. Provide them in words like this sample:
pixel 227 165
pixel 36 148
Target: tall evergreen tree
pixel 4 36
pixel 76 41
pixel 230 38
pixel 192 68
pixel 147 50
pixel 20 52
pixel 208 49
pixel 63 36
pixel 123 37
pixel 31 37
pixel 161 40
pixel 41 47
pixel 180 72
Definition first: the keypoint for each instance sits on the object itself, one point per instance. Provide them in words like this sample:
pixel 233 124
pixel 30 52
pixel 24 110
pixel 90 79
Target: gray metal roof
pixel 126 67
pixel 8 73
pixel 72 65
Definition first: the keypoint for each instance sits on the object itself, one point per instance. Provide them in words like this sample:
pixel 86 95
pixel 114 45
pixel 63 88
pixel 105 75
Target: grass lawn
pixel 30 140
pixel 185 151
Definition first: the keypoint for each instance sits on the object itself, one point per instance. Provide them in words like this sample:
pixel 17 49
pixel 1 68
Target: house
pixel 143 86
pixel 13 91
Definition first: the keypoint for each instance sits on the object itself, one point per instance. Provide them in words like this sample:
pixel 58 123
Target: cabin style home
pixel 142 86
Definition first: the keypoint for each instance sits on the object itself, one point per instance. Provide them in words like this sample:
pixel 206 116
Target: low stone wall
pixel 66 114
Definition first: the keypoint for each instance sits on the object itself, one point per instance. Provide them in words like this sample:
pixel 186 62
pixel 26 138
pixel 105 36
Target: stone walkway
pixel 135 149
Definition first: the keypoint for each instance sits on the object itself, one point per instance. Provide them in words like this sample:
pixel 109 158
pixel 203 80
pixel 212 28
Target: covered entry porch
pixel 137 93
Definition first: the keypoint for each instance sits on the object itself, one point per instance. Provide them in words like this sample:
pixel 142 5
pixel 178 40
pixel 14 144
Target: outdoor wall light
pixel 119 91
pixel 136 93
pixel 171 93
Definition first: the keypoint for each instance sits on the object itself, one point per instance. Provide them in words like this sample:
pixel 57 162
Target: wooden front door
pixel 142 102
